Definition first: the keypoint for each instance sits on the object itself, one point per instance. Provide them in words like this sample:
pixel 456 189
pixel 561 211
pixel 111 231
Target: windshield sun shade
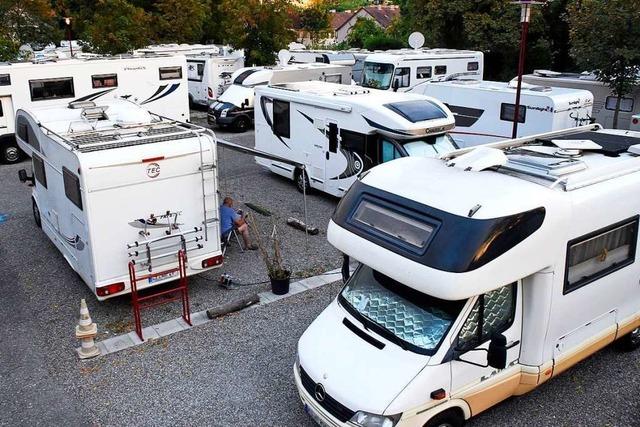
pixel 417 111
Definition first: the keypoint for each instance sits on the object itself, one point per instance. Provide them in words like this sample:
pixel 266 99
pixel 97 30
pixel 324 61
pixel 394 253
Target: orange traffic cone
pixel 86 331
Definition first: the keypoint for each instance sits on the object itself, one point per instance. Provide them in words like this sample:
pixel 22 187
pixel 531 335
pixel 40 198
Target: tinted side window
pixel 104 80
pixel 403 76
pixel 423 73
pixel 72 187
pixel 507 112
pixel 281 119
pixel 592 257
pixel 441 69
pixel 626 104
pixel 170 73
pixel 26 134
pixel 493 313
pixel 473 66
pixel 38 170
pixel 51 88
pixel 5 79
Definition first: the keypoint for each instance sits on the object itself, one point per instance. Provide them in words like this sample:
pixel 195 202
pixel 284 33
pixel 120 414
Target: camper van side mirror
pixel 497 354
pixel 246 103
pixel 23 177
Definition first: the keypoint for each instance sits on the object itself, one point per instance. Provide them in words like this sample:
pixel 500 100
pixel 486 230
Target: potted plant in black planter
pixel 271 254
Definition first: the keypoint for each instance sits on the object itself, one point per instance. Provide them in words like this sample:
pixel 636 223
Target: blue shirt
pixel 228 217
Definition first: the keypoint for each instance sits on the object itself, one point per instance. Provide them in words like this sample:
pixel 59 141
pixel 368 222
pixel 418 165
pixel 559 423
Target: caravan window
pixel 389 151
pixel 170 73
pixel 626 104
pixel 26 134
pixel 44 89
pixel 417 111
pixel 507 111
pixel 473 66
pixel 493 313
pixel 104 80
pixel 595 255
pixel 38 170
pixel 333 78
pixel 423 73
pixel 441 69
pixel 72 187
pixel 281 123
pixel 5 80
pixel 403 76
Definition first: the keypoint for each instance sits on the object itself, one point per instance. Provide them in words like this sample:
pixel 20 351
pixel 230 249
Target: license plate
pixel 162 277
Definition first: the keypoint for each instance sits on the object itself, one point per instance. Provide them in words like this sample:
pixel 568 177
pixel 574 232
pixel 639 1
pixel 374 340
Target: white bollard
pixel 86 331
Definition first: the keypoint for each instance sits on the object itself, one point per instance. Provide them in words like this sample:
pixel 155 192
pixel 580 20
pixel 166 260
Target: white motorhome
pixel 401 70
pixel 235 106
pixel 158 83
pixel 335 57
pixel 604 102
pixel 484 110
pixel 115 184
pixel 339 131
pixel 209 67
pixel 483 275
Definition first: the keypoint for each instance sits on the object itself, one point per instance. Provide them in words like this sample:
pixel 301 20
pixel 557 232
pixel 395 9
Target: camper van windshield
pixel 429 146
pixel 376 75
pixel 415 321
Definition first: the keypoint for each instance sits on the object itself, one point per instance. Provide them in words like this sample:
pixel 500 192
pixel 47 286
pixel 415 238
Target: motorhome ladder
pixel 151 299
pixel 208 173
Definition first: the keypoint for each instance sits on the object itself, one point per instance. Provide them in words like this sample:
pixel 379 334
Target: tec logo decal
pixel 153 170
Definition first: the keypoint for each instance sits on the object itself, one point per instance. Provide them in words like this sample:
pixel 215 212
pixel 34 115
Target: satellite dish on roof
pixel 284 56
pixel 416 40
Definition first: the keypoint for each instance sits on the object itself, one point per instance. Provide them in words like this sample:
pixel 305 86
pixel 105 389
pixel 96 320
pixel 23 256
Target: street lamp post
pixel 67 21
pixel 525 17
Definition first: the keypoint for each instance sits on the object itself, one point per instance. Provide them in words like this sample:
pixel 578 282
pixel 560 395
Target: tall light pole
pixel 525 17
pixel 67 21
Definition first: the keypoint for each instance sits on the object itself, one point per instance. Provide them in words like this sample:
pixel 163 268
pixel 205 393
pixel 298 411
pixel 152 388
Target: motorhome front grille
pixel 331 405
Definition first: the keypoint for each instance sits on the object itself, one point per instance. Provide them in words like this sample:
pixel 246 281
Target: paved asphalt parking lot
pixel 232 371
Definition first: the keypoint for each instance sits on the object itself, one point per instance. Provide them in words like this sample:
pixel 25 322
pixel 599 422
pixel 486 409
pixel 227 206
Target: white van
pixel 340 131
pixel 484 110
pixel 114 184
pixel 483 275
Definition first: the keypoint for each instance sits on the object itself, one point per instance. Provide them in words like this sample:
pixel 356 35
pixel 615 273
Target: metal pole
pixel 524 19
pixel 68 22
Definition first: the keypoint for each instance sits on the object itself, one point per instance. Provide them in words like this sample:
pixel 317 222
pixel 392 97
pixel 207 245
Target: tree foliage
pixel 315 21
pixel 27 21
pixel 361 30
pixel 604 38
pixel 181 21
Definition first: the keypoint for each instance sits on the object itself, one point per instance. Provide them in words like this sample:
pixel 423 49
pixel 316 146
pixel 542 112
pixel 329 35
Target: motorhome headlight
pixel 365 419
pixel 223 113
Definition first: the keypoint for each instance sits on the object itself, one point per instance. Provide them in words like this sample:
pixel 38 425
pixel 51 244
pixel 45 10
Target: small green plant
pixel 270 251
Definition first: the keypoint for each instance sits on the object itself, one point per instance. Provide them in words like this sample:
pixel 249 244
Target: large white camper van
pixel 484 110
pixel 604 102
pixel 339 131
pixel 158 83
pixel 235 106
pixel 335 57
pixel 114 184
pixel 401 70
pixel 209 67
pixel 483 275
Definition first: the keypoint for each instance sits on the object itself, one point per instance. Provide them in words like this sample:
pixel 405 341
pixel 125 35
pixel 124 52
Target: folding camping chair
pixel 226 240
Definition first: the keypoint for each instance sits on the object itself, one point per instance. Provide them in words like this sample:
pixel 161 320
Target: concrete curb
pixel 170 327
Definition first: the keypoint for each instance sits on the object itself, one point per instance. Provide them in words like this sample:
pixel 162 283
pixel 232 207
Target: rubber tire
pixel 241 124
pixel 11 153
pixel 448 418
pixel 36 213
pixel 298 179
pixel 629 342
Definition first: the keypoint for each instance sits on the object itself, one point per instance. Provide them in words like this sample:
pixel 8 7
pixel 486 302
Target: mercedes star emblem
pixel 319 393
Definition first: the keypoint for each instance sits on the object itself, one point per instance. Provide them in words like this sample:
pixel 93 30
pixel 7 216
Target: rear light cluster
pixel 635 121
pixel 212 262
pixel 210 92
pixel 111 289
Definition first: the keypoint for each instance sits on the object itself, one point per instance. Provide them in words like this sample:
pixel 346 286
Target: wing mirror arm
pixel 458 352
pixel 23 177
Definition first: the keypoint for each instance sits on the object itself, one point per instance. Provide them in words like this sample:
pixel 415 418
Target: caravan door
pixel 197 83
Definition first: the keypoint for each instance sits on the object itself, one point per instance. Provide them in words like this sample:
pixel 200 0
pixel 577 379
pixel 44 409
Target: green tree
pixel 181 21
pixel 314 20
pixel 8 48
pixel 382 42
pixel 261 28
pixel 362 30
pixel 28 21
pixel 117 27
pixel 604 38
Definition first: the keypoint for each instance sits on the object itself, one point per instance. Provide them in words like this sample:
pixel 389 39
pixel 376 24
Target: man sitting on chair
pixel 230 219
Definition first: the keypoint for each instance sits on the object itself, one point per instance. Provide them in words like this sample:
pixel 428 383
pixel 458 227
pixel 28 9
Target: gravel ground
pixel 233 371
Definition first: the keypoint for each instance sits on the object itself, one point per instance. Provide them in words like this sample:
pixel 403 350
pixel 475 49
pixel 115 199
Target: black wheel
pixel 36 213
pixel 449 418
pixel 241 124
pixel 302 181
pixel 630 342
pixel 11 153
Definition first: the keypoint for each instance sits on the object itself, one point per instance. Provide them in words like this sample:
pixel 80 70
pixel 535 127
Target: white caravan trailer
pixel 604 102
pixel 335 57
pixel 339 131
pixel 158 83
pixel 483 275
pixel 114 184
pixel 484 110
pixel 401 70
pixel 209 67
pixel 235 106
